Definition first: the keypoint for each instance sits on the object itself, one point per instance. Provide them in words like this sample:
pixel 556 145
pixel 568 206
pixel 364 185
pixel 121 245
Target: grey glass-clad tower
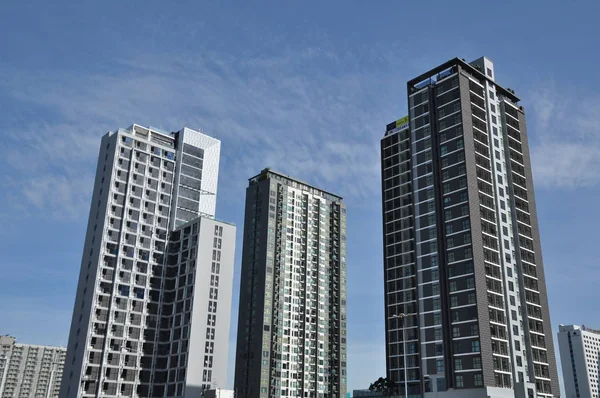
pixel 152 308
pixel 462 254
pixel 291 339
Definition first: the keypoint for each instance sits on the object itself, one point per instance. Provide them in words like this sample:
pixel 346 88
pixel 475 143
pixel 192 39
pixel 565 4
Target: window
pixel 453 286
pixel 469 267
pixel 440 365
pixel 455 316
pixel 466 224
pixel 450 242
pixel 439 349
pixel 443 149
pixel 478 380
pixel 491 94
pixel 124 290
pixel 476 363
pixel 459 378
pixel 470 283
pixel 454 302
pixel 475 346
pixel 455 331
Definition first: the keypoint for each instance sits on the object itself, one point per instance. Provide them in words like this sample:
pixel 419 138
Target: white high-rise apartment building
pixel 153 302
pixel 30 371
pixel 580 358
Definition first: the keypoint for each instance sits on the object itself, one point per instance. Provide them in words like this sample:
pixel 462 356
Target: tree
pixel 384 385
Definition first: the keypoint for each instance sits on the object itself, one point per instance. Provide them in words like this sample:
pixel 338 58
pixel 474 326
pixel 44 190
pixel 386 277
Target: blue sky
pixel 306 88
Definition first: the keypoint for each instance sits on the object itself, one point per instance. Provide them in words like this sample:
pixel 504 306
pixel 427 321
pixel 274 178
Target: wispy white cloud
pixel 566 138
pixel 61 195
pixel 315 114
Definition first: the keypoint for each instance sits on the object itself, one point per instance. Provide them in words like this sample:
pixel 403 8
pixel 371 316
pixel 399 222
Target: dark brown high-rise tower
pixel 464 278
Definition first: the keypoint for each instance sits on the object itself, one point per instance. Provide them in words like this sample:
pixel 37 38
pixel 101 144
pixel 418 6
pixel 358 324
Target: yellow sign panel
pixel 402 121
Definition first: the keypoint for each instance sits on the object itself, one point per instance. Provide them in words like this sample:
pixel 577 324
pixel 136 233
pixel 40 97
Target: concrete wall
pixel 202 286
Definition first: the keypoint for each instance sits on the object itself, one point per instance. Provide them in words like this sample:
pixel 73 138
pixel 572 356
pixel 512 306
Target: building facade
pixel 580 359
pixel 464 279
pixel 30 371
pixel 291 339
pixel 219 393
pixel 153 302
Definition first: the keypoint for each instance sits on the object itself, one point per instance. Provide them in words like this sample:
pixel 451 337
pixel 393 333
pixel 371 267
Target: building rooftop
pixel 200 218
pixel 442 71
pixel 569 328
pixel 267 172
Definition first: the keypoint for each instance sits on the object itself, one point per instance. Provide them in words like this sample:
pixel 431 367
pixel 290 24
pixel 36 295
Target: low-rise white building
pixel 30 370
pixel 580 359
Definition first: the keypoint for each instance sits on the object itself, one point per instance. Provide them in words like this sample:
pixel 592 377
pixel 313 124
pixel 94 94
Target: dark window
pixel 192 150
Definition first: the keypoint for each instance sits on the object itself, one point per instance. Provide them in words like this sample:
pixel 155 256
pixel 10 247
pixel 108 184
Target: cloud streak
pixel 313 114
pixel 566 140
